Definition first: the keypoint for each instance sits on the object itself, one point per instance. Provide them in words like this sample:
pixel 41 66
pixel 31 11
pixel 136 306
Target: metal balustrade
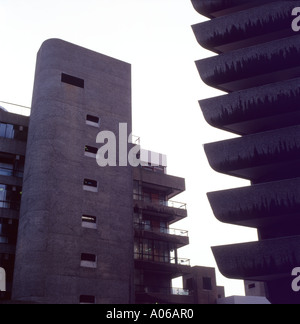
pixel 162 230
pixel 161 202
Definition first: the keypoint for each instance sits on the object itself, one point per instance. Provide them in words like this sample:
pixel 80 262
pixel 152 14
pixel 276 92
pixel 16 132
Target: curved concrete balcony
pixel 246 28
pixel 258 206
pixel 255 110
pixel 261 157
pixel 259 261
pixel 218 8
pixel 253 66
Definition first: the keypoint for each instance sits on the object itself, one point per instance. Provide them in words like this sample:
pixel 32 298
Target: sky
pixel 156 38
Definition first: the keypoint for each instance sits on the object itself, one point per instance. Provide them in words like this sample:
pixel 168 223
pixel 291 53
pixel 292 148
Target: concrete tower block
pixel 73 86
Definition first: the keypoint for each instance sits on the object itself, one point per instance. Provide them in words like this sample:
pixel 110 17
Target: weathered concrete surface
pixel 51 237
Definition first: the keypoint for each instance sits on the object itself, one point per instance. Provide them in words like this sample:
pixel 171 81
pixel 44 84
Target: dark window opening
pixel 90 183
pixel 88 257
pixel 207 284
pixel 8 231
pixel 74 81
pixel 89 219
pixel 91 149
pixel 190 284
pixel 84 299
pixel 11 165
pixel 93 119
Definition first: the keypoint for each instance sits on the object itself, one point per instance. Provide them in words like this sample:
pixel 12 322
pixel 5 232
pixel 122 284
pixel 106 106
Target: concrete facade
pixel 72 232
pixel 258 66
pixel 71 83
pixel 202 280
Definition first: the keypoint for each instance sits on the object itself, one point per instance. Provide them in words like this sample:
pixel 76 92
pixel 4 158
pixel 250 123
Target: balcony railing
pixel 162 230
pixel 161 202
pixel 156 169
pixel 162 259
pixel 163 290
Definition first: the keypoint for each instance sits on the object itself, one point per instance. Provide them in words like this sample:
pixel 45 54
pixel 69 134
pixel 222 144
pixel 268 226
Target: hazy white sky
pixel 155 36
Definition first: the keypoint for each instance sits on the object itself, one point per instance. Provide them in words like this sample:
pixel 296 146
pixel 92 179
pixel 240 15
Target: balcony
pixel 163 290
pixel 157 169
pixel 163 295
pixel 162 259
pixel 262 205
pixel 255 110
pixel 161 230
pixel 259 261
pixel 272 155
pixel 249 27
pixel 218 8
pixel 254 66
pixel 168 210
pixel 172 235
pixel 158 181
pixel 160 202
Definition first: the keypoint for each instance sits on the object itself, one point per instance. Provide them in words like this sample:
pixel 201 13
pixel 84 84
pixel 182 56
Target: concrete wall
pixel 204 285
pixel 51 237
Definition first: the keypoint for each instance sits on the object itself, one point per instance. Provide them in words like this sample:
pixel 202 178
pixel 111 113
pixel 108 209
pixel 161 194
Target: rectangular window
pixel 88 257
pixel 190 284
pixel 90 185
pixel 251 286
pixel 10 131
pixel 92 120
pixel 89 300
pixel 88 260
pixel 207 284
pixel 74 81
pixel 89 221
pixel 90 151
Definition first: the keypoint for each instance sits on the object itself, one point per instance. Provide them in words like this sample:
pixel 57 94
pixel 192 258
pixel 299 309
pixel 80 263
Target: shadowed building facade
pixel 71 231
pixel 59 257
pixel 258 66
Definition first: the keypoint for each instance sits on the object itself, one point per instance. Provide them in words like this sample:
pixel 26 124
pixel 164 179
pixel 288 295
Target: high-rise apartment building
pixel 258 66
pixel 70 230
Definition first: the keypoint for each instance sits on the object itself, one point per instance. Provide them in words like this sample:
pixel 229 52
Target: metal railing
pixel 156 169
pixel 163 290
pixel 162 259
pixel 161 202
pixel 162 230
pixel 181 261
